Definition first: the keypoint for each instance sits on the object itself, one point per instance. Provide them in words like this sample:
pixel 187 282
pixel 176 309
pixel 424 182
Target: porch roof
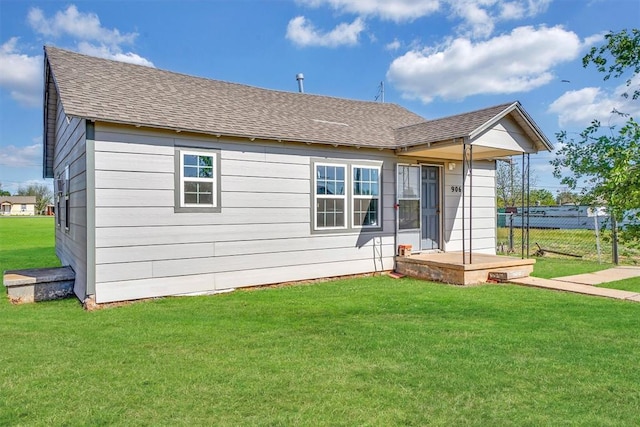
pixel 443 138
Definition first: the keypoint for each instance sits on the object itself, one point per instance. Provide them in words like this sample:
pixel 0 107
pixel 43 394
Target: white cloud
pixel 510 63
pixel 303 33
pixel 478 16
pixel 92 38
pixel 21 74
pixel 84 26
pixel 394 45
pixel 475 18
pixel 103 51
pixel 21 157
pixel 580 107
pixel 393 10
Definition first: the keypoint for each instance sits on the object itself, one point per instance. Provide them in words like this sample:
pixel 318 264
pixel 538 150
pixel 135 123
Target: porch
pixel 450 267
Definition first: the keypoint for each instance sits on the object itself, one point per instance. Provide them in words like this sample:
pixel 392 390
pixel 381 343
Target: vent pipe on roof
pixel 300 78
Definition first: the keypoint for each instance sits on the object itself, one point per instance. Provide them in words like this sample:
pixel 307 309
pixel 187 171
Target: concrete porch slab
pixel 450 268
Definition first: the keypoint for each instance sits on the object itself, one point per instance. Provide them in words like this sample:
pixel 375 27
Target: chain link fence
pixel 570 232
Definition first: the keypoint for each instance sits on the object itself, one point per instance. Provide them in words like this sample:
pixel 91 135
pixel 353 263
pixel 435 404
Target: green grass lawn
pixel 548 268
pixel 370 351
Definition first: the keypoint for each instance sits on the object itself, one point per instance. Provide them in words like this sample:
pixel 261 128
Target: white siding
pixel 506 135
pixel 262 234
pixel 70 150
pixel 482 210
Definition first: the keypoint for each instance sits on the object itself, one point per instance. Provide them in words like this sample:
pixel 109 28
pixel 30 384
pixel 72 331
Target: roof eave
pixel 250 137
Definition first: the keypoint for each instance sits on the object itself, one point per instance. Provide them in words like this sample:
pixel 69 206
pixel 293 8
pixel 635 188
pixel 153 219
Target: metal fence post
pixel 511 233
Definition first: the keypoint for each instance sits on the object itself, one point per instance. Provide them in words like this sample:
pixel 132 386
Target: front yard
pixel 370 351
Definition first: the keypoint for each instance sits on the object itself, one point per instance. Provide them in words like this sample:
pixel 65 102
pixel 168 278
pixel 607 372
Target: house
pixel 17 205
pixel 171 184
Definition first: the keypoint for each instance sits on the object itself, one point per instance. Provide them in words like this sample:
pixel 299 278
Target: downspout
pixel 90 189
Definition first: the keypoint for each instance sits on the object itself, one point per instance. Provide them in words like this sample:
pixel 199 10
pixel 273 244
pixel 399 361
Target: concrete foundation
pixel 39 284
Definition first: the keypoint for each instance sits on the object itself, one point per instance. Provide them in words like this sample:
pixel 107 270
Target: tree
pixel 3 192
pixel 509 184
pixel 566 197
pixel 623 49
pixel 43 195
pixel 542 197
pixel 607 158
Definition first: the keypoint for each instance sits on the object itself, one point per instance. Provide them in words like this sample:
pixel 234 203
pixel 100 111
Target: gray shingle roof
pixel 447 128
pixel 111 91
pixel 105 90
pixel 18 200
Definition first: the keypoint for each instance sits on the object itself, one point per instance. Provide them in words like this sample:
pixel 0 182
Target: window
pixel 408 197
pixel 366 196
pixel 23 208
pixel 67 202
pixel 346 196
pixel 58 212
pixel 198 174
pixel 330 196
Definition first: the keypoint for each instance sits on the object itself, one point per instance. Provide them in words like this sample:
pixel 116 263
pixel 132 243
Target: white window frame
pixel 213 180
pixel 355 197
pixel 343 196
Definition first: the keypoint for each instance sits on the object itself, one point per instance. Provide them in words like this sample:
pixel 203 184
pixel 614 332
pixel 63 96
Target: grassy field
pixel 370 351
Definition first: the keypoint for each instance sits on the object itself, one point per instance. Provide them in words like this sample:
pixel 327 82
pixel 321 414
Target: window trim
pixel 317 196
pixel 378 197
pixel 349 165
pixel 179 205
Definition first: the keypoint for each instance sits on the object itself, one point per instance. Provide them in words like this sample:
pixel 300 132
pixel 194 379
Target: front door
pixel 430 211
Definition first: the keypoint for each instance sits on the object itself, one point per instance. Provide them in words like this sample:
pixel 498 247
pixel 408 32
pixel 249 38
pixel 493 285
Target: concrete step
pixel 507 275
pixel 39 284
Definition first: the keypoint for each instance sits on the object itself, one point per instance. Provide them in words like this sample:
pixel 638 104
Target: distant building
pixel 18 205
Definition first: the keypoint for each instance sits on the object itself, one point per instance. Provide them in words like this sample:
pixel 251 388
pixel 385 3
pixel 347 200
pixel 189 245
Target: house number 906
pixel 456 189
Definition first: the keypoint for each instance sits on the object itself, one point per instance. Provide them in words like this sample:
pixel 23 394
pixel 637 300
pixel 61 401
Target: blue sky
pixel 436 57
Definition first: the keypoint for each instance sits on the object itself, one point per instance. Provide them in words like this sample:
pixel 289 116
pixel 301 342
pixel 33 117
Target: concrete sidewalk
pixel 583 283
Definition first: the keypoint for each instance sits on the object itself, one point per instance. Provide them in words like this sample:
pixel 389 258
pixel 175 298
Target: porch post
pixel 522 212
pixel 464 174
pixel 528 201
pixel 467 168
pixel 470 203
